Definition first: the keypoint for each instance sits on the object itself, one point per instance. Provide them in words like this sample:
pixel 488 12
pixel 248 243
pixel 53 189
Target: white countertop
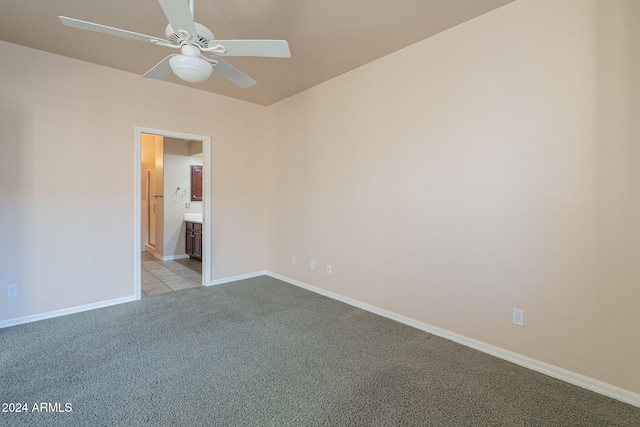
pixel 192 217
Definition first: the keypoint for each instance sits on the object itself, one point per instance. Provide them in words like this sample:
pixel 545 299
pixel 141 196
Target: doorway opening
pixel 164 203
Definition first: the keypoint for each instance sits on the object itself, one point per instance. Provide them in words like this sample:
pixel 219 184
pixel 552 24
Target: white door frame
pixel 206 206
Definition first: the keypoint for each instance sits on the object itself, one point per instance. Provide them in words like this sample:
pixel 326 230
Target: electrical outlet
pixel 187 205
pixel 518 317
pixel 328 268
pixel 312 265
pixel 12 290
pixel 293 259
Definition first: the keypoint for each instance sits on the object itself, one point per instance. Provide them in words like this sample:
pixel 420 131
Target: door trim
pixel 137 194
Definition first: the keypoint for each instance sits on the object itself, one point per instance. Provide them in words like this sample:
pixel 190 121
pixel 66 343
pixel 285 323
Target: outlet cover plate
pixel 518 317
pixel 12 290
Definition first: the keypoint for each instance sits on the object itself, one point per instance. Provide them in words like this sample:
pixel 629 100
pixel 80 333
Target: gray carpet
pixel 261 352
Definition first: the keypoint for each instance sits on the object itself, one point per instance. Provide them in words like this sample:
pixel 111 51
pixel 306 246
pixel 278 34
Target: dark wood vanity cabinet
pixel 193 240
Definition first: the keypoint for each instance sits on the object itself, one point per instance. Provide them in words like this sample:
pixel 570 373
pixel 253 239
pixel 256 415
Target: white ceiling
pixel 326 37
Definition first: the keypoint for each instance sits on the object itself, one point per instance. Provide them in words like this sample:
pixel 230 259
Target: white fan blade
pixel 267 48
pixel 84 25
pixel 161 70
pixel 231 73
pixel 179 16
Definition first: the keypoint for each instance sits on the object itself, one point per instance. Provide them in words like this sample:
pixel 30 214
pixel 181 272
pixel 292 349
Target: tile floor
pixel 159 276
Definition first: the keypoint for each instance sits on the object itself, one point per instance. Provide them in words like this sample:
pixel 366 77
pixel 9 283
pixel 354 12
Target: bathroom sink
pixel 192 217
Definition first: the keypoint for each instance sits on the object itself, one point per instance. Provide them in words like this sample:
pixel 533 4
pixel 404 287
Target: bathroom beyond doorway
pixel 139 247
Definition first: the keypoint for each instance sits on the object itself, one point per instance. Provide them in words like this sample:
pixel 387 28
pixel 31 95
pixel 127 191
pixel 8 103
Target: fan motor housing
pixel 204 35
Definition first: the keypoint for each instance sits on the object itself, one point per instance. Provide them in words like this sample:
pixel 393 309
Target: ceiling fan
pixel 195 41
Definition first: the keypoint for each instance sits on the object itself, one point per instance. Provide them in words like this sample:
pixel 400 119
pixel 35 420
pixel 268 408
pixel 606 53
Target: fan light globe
pixel 190 68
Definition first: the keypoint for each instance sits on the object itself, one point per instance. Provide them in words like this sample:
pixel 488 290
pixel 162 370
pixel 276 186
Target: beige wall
pixel 67 138
pixel 492 166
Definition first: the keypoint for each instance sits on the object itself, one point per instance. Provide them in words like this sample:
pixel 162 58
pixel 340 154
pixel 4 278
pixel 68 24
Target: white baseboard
pixel 152 251
pixel 78 309
pixel 236 278
pixel 63 312
pixel 535 365
pixel 545 368
pixel 174 257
